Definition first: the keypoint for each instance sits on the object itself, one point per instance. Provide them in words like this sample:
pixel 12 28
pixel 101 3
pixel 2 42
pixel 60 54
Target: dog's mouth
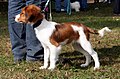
pixel 19 19
pixel 21 22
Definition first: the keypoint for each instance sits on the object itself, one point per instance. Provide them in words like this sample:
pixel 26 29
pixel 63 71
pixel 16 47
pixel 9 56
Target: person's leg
pixel 34 48
pixel 65 4
pixel 58 5
pixel 116 9
pixel 83 4
pixel 16 30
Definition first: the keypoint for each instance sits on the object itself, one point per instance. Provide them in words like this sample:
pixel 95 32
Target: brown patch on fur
pixel 87 30
pixel 30 13
pixel 63 32
pixel 92 31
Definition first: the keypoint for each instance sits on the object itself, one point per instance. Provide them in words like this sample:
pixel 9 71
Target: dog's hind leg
pixel 95 57
pixel 85 44
pixel 87 47
pixel 78 47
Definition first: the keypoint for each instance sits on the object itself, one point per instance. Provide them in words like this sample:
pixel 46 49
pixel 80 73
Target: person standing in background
pixel 25 45
pixel 116 9
pixel 83 5
pixel 58 5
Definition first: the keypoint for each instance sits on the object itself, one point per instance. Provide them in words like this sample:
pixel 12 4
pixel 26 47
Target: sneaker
pixel 17 61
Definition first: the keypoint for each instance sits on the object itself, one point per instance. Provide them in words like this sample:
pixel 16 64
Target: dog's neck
pixel 37 23
pixel 39 19
pixel 41 25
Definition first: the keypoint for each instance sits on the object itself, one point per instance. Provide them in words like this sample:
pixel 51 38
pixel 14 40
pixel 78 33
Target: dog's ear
pixel 33 13
pixel 31 18
pixel 56 36
pixel 56 33
pixel 58 27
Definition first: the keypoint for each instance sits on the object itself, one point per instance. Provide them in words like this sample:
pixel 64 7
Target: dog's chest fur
pixel 44 31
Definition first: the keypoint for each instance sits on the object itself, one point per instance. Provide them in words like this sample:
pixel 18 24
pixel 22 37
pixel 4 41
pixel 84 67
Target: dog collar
pixel 37 23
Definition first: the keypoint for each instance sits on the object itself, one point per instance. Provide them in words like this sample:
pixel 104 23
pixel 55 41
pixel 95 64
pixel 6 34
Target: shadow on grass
pixel 107 56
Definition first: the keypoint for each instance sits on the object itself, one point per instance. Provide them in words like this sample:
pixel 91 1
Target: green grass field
pixel 68 67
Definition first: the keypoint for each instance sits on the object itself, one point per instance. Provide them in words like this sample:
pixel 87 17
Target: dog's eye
pixel 22 14
pixel 26 14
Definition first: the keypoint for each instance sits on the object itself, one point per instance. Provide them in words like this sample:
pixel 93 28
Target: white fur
pixel 75 5
pixel 103 30
pixel 16 17
pixel 43 33
pixel 51 52
pixel 87 49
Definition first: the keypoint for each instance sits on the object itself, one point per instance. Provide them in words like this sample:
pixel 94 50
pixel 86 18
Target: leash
pixel 46 5
pixel 50 11
pixel 48 2
pixel 69 8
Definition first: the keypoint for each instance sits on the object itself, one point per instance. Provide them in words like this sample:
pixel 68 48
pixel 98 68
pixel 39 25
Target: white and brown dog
pixel 53 35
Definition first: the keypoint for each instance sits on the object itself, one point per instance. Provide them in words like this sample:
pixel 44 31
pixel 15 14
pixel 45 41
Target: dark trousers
pixel 25 45
pixel 58 5
pixel 116 9
pixel 83 4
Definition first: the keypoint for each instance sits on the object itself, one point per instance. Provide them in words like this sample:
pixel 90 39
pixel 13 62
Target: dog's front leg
pixel 54 52
pixel 46 57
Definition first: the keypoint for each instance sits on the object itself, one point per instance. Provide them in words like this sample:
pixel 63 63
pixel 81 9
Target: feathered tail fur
pixel 99 32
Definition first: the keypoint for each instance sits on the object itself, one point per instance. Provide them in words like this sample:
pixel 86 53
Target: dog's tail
pixel 99 32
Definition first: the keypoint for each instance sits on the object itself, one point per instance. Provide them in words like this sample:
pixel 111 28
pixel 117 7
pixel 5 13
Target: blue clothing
pixel 25 45
pixel 58 6
pixel 116 9
pixel 83 4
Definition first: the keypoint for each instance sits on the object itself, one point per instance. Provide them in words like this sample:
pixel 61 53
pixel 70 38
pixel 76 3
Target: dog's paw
pixel 42 67
pixel 51 68
pixel 84 65
pixel 96 68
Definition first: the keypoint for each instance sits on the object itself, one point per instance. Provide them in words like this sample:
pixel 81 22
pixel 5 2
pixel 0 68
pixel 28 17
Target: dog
pixel 53 35
pixel 75 5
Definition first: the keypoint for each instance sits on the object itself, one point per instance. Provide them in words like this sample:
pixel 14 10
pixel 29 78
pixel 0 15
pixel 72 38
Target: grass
pixel 108 49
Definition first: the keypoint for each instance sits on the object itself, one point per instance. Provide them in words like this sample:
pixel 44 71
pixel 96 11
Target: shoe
pixel 17 61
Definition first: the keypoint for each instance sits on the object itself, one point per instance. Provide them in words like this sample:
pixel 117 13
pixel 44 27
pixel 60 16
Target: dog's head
pixel 29 14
